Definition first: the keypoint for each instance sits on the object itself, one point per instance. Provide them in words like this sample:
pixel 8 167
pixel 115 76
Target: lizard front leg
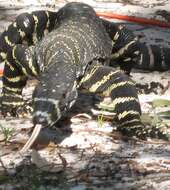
pixel 108 82
pixel 20 65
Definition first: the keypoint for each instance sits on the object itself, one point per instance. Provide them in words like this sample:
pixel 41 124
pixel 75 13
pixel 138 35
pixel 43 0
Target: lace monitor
pixel 75 55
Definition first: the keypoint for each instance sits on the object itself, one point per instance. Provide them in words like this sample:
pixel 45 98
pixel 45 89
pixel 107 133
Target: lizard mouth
pixel 32 138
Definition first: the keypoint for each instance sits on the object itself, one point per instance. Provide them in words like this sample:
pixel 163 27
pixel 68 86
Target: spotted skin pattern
pixel 76 54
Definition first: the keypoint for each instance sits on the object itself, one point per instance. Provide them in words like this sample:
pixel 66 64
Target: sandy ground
pixel 84 153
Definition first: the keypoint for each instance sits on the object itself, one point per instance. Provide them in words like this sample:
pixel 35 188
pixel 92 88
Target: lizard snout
pixel 46 111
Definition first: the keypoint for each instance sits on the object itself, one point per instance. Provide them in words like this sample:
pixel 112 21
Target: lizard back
pixel 76 42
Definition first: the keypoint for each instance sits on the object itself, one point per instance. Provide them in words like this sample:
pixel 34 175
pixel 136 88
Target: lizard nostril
pixel 39 119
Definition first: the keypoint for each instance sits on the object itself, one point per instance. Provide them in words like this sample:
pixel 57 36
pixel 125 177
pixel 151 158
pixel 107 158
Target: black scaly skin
pixel 28 28
pixel 75 54
pixel 153 58
pixel 128 52
pixel 108 82
pixel 79 38
pixel 126 46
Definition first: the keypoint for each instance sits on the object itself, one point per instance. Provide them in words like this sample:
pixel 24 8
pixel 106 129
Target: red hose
pixel 134 19
pixel 1 72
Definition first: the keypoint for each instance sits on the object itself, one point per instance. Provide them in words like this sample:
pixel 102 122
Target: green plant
pixel 100 120
pixel 7 133
pixel 158 119
pixel 104 107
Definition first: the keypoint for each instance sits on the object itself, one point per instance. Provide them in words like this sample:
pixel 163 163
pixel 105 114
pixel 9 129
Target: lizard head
pixel 51 99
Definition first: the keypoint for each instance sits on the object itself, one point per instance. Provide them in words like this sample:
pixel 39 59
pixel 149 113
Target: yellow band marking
pixel 141 59
pixel 22 33
pixel 14 79
pixel 113 86
pixel 89 75
pixel 116 36
pixel 13 52
pixel 47 24
pixel 127 59
pixel 13 103
pixel 33 69
pixel 48 20
pixel 12 89
pixel 125 113
pixel 9 65
pixel 23 69
pixel 117 101
pixel 34 36
pixel 136 52
pixel 123 49
pixel 151 56
pixel 105 78
pixel 3 55
pixel 8 41
pixel 131 122
pixel 12 95
pixel 14 57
